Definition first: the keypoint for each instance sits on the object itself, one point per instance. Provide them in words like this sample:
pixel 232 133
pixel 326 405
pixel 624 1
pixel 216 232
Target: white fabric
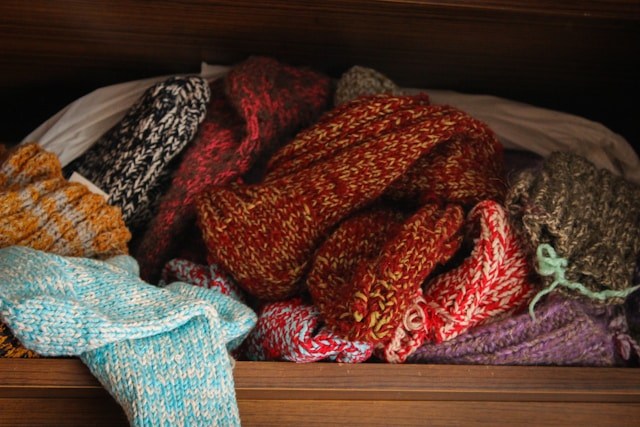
pixel 76 177
pixel 542 131
pixel 72 130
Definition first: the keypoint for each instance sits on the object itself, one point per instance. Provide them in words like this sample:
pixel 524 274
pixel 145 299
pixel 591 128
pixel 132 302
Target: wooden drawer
pixel 576 56
pixel 63 392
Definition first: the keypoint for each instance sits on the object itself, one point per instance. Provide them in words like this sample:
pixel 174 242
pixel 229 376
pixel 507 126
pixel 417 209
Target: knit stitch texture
pixel 293 331
pixel 38 208
pixel 265 234
pixel 205 276
pixel 131 161
pixel 491 283
pixel 41 210
pixel 258 106
pixel 565 332
pixel 369 271
pixel 161 352
pixel 588 215
pixel 360 81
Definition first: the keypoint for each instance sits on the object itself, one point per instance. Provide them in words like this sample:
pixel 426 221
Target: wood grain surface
pixel 63 392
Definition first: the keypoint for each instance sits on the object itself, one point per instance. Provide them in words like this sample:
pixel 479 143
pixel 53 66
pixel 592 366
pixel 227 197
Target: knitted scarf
pixel 131 161
pixel 265 234
pixel 161 352
pixel 257 107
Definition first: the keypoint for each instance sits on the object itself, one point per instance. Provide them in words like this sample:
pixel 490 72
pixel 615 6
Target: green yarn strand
pixel 550 264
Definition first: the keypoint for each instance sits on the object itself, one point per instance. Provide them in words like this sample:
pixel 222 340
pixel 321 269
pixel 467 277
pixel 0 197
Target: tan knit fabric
pixel 10 347
pixel 41 210
pixel 590 217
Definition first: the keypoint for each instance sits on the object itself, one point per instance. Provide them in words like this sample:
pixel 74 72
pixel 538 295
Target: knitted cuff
pixel 565 332
pixel 180 377
pixel 293 331
pixel 40 209
pixel 496 270
pixel 370 270
pixel 131 161
pixel 258 106
pixel 492 282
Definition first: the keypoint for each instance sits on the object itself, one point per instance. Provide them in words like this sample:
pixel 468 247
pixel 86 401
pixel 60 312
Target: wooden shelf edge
pixel 327 381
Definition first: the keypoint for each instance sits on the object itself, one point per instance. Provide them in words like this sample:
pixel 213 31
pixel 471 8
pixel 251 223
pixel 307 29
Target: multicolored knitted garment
pixel 131 161
pixel 589 216
pixel 565 332
pixel 368 273
pixel 265 235
pixel 258 106
pixel 293 331
pixel 445 155
pixel 41 210
pixel 161 352
pixel 491 283
pixel 210 277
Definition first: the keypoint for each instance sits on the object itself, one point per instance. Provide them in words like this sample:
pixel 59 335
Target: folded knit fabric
pixel 205 276
pixel 41 210
pixel 131 161
pixel 456 158
pixel 492 282
pixel 359 81
pixel 264 235
pixel 369 271
pixel 565 332
pixel 161 352
pixel 258 106
pixel 293 331
pixel 588 215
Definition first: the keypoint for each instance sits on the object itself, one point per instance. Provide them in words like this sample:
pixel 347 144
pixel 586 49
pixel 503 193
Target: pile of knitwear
pixel 275 214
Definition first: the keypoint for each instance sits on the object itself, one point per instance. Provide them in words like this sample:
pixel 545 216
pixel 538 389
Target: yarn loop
pixel 550 264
